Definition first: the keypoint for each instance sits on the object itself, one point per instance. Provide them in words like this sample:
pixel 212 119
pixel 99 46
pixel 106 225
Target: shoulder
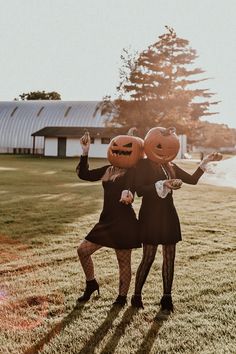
pixel 143 163
pixel 172 164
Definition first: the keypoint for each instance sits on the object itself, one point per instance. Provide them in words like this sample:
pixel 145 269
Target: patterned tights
pixel 149 253
pixel 87 248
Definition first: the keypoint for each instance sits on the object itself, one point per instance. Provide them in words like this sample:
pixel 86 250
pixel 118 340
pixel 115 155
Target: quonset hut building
pixel 53 128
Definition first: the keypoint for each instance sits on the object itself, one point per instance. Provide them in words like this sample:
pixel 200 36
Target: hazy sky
pixel 74 46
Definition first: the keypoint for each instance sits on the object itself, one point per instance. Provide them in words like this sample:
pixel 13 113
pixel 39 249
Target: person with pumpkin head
pixel 117 227
pixel 156 178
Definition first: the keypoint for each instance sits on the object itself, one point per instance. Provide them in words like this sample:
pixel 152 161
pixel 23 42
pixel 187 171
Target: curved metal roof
pixel 19 119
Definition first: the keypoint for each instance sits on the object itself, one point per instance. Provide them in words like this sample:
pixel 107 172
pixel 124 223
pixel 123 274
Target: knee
pixel 148 261
pixel 168 252
pixel 81 251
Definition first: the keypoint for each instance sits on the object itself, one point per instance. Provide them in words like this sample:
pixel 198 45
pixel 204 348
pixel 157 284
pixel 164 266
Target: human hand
pixel 208 167
pixel 126 197
pixel 173 183
pixel 85 143
pixel 214 156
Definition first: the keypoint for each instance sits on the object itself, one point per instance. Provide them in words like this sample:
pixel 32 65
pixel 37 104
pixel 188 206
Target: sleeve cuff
pixel 203 166
pixel 161 189
pixel 208 167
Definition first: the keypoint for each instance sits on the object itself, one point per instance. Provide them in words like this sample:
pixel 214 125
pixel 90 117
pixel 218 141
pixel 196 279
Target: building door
pixel 61 147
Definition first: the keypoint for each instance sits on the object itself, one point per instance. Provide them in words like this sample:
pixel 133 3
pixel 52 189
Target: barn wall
pixel 51 147
pixel 73 148
pixel 97 149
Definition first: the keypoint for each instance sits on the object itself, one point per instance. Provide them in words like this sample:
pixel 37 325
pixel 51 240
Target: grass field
pixel 46 210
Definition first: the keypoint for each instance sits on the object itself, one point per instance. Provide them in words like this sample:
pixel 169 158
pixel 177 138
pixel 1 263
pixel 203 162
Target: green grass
pixel 45 212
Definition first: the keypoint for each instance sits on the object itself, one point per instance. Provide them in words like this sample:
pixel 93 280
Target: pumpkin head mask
pixel 161 145
pixel 125 151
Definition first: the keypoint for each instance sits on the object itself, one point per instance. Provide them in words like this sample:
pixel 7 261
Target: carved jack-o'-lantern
pixel 125 151
pixel 161 145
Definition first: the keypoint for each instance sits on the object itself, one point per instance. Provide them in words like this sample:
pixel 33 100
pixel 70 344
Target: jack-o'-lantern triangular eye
pixel 114 144
pixel 159 146
pixel 129 145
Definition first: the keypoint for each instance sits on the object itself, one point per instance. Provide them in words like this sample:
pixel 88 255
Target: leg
pixel 85 250
pixel 167 275
pixel 168 267
pixel 149 253
pixel 124 261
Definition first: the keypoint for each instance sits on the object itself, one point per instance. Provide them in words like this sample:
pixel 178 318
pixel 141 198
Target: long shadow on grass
pixel 149 339
pixel 101 332
pixel 74 314
pixel 120 331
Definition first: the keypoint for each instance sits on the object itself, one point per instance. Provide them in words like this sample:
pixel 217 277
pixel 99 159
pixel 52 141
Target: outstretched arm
pixel 187 177
pixel 82 169
pixel 86 174
pixel 193 179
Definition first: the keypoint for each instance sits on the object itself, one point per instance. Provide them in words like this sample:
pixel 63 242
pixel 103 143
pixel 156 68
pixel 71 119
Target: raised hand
pixel 85 143
pixel 214 156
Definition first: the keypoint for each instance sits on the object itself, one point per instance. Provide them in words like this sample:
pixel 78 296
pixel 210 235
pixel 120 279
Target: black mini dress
pixel 158 218
pixel 118 226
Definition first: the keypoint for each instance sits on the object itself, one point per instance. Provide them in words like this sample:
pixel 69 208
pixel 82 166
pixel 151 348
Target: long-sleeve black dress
pixel 158 219
pixel 118 226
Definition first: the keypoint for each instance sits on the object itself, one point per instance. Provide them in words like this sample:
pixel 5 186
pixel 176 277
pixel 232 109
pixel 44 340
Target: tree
pixel 39 95
pixel 213 135
pixel 156 87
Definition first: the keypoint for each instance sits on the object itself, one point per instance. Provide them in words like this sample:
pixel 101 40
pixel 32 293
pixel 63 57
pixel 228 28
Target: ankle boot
pixel 166 303
pixel 136 301
pixel 120 300
pixel 91 286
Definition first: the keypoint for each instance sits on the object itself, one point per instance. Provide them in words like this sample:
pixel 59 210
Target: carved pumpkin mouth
pixel 121 152
pixel 125 151
pixel 164 156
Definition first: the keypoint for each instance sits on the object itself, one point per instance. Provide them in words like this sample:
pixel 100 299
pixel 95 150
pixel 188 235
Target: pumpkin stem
pixel 169 131
pixel 131 131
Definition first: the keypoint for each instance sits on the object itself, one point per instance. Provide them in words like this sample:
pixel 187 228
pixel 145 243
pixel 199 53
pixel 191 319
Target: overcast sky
pixel 74 46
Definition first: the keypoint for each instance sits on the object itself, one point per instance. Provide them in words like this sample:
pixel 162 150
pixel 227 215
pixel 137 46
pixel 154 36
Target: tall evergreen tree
pixel 157 87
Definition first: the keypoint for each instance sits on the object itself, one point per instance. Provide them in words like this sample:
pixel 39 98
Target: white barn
pixel 53 128
pixel 20 119
pixel 64 141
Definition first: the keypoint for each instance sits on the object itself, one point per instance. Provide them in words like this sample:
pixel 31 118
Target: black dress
pixel 118 226
pixel 158 219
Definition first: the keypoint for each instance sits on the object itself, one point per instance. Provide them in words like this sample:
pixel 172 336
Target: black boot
pixel 136 301
pixel 121 300
pixel 166 303
pixel 91 286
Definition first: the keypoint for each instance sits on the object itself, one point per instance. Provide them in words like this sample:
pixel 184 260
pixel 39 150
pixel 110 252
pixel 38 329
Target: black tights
pixel 87 248
pixel 149 253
